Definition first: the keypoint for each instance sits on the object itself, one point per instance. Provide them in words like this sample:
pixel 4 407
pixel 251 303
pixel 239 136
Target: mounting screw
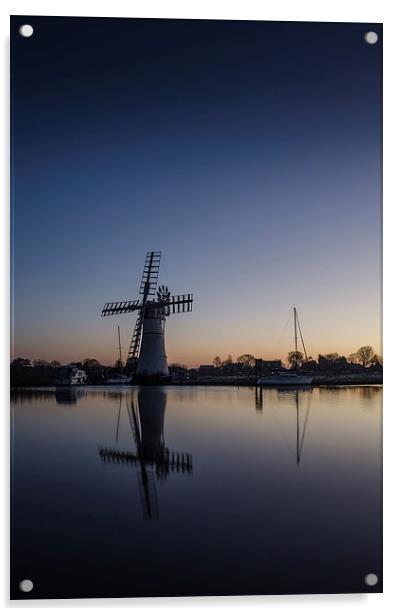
pixel 371 38
pixel 26 585
pixel 26 30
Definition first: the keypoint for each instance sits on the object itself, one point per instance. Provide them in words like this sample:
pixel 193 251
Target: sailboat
pixel 120 379
pixel 289 379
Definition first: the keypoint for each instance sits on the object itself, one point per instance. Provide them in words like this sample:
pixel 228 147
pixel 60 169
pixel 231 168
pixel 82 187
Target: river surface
pixel 195 491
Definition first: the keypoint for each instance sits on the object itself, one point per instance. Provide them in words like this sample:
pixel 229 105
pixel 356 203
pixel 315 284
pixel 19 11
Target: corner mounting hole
pixel 371 579
pixel 26 30
pixel 371 38
pixel 26 585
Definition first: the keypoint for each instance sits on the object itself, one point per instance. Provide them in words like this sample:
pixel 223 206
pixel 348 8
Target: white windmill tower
pixel 147 357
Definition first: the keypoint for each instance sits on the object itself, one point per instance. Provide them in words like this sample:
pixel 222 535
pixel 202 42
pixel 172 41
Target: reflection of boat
pixel 290 379
pixel 70 375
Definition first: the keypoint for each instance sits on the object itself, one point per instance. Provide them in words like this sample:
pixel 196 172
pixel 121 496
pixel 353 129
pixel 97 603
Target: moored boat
pixel 119 379
pixel 289 378
pixel 286 379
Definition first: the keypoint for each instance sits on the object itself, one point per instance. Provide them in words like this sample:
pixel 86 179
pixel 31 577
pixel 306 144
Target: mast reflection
pixel 300 433
pixel 300 437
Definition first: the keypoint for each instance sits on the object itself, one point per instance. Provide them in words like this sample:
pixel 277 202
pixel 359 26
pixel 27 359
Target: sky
pixel 249 153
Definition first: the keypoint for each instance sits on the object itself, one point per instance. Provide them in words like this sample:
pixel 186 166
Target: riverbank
pixel 319 380
pixel 359 378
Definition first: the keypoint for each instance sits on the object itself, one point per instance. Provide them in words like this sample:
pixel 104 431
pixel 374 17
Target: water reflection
pixel 21 396
pixel 286 499
pixel 68 395
pixel 295 394
pixel 259 399
pixel 154 460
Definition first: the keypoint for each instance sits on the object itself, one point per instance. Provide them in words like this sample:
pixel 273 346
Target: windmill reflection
pixel 153 459
pixel 300 433
pixel 259 398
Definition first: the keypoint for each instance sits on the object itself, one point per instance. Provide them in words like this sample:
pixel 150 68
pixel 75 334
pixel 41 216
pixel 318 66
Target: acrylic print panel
pixel 196 365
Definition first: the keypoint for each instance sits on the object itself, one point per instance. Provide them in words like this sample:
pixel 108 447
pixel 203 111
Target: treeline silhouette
pixel 38 372
pixel 364 358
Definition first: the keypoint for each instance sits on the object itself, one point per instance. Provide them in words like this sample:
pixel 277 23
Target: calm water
pixel 195 490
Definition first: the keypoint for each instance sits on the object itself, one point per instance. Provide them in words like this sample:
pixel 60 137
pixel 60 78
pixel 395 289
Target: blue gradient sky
pixel 248 152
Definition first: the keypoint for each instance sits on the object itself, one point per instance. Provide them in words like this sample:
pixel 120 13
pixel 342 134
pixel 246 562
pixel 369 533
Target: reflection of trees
pixel 21 396
pixel 367 392
pixel 363 391
pixel 62 395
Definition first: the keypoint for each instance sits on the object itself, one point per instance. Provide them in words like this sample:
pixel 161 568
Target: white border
pixel 292 10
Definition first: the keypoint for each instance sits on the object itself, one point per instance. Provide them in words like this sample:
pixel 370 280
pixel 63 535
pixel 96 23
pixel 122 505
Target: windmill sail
pixel 148 285
pixel 149 279
pixel 120 307
pixel 134 348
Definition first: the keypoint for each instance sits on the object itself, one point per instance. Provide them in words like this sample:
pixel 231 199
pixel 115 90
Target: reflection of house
pixel 70 375
pixel 66 395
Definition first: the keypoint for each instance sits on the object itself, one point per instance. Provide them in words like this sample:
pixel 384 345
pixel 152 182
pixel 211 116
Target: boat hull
pixel 121 381
pixel 284 381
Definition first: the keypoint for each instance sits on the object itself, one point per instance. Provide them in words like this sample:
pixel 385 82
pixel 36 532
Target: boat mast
pixel 296 338
pixel 300 333
pixel 298 454
pixel 120 350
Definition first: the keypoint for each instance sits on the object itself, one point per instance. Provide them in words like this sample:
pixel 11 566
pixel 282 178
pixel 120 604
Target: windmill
pixel 147 357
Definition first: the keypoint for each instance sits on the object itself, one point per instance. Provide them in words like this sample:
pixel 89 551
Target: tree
pixel 40 363
pixel 228 361
pixel 247 360
pixel 364 355
pixel 217 362
pixel 89 364
pixel 21 362
pixel 376 360
pixel 55 363
pixel 332 357
pixel 295 359
pixel 310 364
